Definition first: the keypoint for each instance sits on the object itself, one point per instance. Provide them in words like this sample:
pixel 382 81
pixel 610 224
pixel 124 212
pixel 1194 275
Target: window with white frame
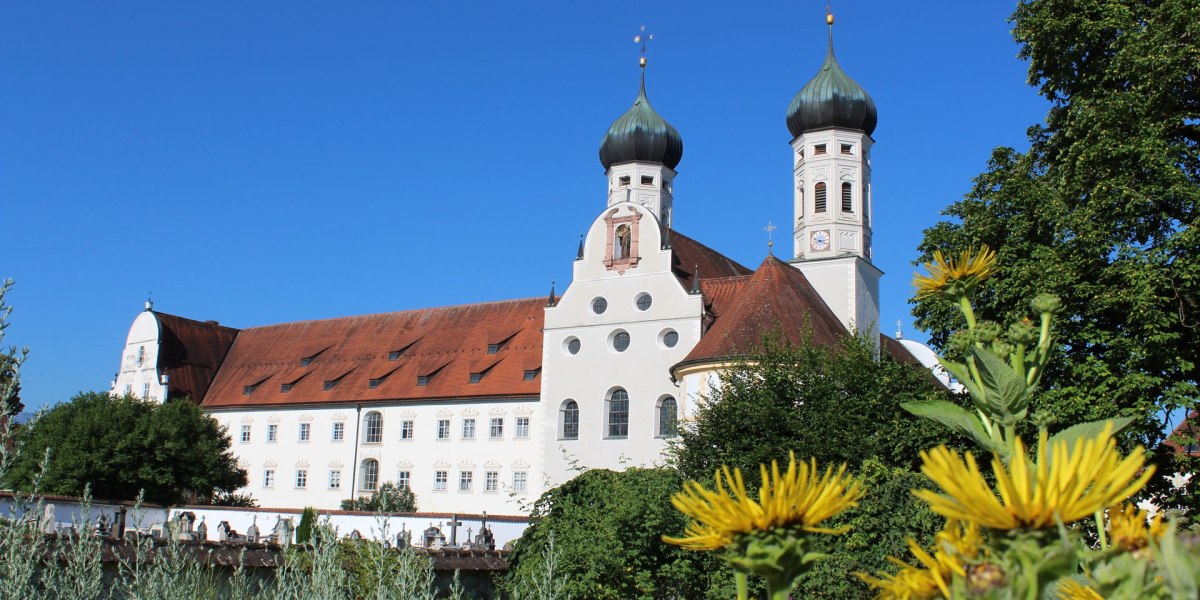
pixel 335 479
pixel 468 429
pixel 245 434
pixel 305 431
pixel 668 417
pixel 268 478
pixel 301 478
pixel 465 480
pixel 406 430
pixel 522 427
pixel 272 433
pixel 439 481
pixel 145 391
pixel 618 413
pixel 568 417
pixel 497 428
pixel 443 429
pixel 403 479
pixel 491 481
pixel 520 482
pixel 339 431
pixel 369 475
pixel 373 428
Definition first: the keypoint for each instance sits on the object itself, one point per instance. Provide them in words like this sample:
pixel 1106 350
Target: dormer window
pixel 647 180
pixel 624 180
pixel 308 360
pixel 819 150
pixel 285 388
pixel 374 383
pixel 249 389
pixel 394 355
pixel 493 348
pixel 476 377
pixel 531 374
pixel 304 362
pixel 423 380
pixel 329 385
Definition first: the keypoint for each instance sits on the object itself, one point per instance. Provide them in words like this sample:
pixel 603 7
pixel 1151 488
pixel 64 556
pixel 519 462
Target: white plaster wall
pixel 370 526
pixel 642 370
pixel 421 456
pixel 850 287
pixel 655 197
pixel 134 377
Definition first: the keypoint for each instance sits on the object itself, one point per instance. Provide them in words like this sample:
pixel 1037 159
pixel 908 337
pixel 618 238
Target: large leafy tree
pixel 388 498
pixel 836 404
pixel 124 445
pixel 1101 211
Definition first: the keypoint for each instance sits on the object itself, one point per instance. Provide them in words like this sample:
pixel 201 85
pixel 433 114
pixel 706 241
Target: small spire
pixel 696 279
pixel 149 301
pixel 899 329
pixel 770 241
pixel 642 38
pixel 553 301
pixel 829 22
pixel 579 255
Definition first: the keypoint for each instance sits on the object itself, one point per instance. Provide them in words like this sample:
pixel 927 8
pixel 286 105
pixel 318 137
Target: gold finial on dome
pixel 642 38
pixel 828 14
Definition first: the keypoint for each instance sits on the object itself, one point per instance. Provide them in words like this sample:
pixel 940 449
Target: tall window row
pixel 369 479
pixel 616 416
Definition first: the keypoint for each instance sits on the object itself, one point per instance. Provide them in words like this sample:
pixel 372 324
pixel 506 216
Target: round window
pixel 670 338
pixel 644 301
pixel 599 305
pixel 620 341
pixel 572 346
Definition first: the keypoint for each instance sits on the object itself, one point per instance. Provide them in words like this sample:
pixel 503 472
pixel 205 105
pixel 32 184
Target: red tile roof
pixel 688 255
pixel 445 344
pixel 1188 429
pixel 190 353
pixel 776 297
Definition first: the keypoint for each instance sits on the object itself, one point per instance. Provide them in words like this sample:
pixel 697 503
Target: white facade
pixel 642 302
pixel 139 374
pixel 650 185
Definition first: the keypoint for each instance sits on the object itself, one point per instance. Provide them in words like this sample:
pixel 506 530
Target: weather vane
pixel 770 242
pixel 642 38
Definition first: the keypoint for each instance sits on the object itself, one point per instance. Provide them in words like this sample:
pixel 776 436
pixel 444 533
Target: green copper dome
pixel 831 99
pixel 640 135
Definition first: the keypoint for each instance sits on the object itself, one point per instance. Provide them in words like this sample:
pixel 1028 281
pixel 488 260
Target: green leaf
pixel 957 418
pixel 1007 394
pixel 1089 429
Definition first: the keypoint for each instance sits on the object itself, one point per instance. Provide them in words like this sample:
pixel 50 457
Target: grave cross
pixel 454 524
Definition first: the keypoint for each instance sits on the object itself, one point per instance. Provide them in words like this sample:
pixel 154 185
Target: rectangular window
pixel 247 389
pixel 145 391
pixel 647 180
pixel 394 355
pixel 493 348
pixel 443 429
pixel 847 148
pixel 403 479
pixel 465 479
pixel 522 427
pixel 497 429
pixel 329 385
pixel 272 433
pixel 268 478
pixel 339 431
pixel 129 389
pixel 623 180
pixel 476 377
pixel 520 481
pixel 618 414
pixel 373 383
pixel 305 431
pixel 335 479
pixel 422 380
pixel 491 481
pixel 819 149
pixel 406 430
pixel 531 374
pixel 245 434
pixel 285 388
pixel 468 429
pixel 439 481
pixel 301 478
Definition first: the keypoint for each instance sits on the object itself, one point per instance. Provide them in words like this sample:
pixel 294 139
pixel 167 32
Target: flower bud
pixel 986 331
pixel 961 341
pixel 1022 333
pixel 1047 303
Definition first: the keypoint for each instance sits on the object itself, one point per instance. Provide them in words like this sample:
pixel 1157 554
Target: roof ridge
pixel 206 323
pixel 540 300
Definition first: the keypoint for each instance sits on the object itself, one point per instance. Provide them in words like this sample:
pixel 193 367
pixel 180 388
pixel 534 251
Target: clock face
pixel 819 240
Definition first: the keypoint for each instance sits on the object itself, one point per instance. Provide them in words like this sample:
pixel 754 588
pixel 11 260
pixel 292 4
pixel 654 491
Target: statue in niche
pixel 622 244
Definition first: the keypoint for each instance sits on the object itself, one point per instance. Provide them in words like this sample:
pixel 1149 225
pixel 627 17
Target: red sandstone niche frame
pixel 621 245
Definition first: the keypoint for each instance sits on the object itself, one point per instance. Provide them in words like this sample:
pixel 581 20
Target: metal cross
pixel 642 38
pixel 769 228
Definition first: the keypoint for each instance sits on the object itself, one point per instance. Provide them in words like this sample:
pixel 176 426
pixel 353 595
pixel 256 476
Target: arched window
pixel 373 428
pixel 618 413
pixel 847 197
pixel 569 420
pixel 668 417
pixel 820 196
pixel 369 475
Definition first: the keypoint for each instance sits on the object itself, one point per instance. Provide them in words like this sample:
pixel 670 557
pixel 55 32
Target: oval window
pixel 644 301
pixel 620 341
pixel 670 338
pixel 599 305
pixel 572 346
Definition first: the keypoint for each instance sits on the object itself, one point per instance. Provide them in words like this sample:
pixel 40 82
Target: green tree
pixel 607 529
pixel 388 498
pixel 121 445
pixel 837 405
pixel 1101 211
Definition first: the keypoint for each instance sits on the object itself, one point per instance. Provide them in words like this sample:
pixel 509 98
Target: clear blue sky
pixel 262 162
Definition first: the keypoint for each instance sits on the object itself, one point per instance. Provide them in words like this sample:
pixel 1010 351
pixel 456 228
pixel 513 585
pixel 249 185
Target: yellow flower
pixel 955 544
pixel 800 497
pixel 1062 484
pixel 956 276
pixel 1131 528
pixel 1070 589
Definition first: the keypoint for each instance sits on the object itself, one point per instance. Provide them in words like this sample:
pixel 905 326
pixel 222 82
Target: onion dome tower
pixel 639 153
pixel 831 120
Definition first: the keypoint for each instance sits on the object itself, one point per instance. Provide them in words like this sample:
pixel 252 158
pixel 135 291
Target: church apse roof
pixel 690 256
pixel 414 355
